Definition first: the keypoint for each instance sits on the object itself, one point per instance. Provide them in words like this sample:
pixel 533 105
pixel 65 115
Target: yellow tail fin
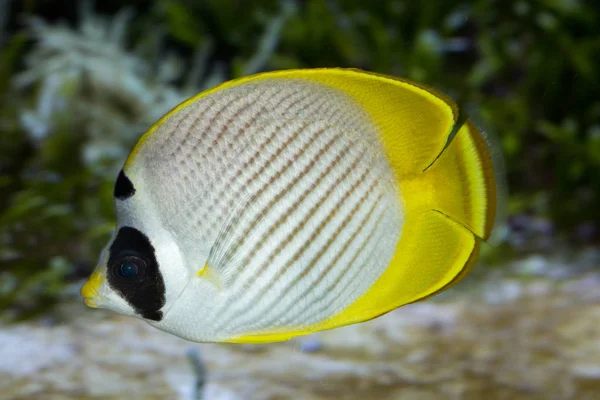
pixel 462 182
pixel 465 185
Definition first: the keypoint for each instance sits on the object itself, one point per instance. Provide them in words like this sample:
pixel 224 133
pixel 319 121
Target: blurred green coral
pixel 77 94
pixel 86 78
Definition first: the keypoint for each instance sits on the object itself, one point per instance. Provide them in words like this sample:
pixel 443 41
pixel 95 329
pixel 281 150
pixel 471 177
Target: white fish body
pixel 295 201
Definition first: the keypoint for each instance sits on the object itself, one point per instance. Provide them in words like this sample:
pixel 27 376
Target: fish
pixel 290 202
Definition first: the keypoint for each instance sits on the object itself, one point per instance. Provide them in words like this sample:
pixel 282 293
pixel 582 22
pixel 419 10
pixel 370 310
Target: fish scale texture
pixel 282 188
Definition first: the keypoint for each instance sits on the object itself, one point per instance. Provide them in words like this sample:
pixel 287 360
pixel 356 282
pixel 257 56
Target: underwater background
pixel 81 81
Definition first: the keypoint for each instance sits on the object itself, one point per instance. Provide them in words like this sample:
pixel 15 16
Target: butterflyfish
pixel 296 201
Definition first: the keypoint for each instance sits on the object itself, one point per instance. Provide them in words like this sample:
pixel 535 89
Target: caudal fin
pixel 467 182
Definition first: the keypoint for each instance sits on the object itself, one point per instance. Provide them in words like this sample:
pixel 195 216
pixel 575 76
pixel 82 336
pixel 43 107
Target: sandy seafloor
pixel 527 331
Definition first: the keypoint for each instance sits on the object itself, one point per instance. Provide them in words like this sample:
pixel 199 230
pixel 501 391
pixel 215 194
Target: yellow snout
pixel 89 291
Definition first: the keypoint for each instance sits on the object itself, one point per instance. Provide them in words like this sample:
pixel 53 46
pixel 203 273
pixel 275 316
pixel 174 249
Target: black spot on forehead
pixel 123 187
pixel 146 292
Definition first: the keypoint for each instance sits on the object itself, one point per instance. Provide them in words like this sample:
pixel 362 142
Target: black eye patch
pixel 123 187
pixel 133 272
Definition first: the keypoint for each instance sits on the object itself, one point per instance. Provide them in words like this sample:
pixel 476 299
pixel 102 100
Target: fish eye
pixel 129 267
pixel 128 270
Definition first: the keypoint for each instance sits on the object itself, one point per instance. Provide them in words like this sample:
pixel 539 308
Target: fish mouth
pixel 90 302
pixel 89 291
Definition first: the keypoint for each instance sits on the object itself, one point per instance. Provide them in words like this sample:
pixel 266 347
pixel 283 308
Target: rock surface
pixel 515 339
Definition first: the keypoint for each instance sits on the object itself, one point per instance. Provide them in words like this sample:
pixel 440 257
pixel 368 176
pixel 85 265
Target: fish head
pixel 141 272
pixel 98 293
